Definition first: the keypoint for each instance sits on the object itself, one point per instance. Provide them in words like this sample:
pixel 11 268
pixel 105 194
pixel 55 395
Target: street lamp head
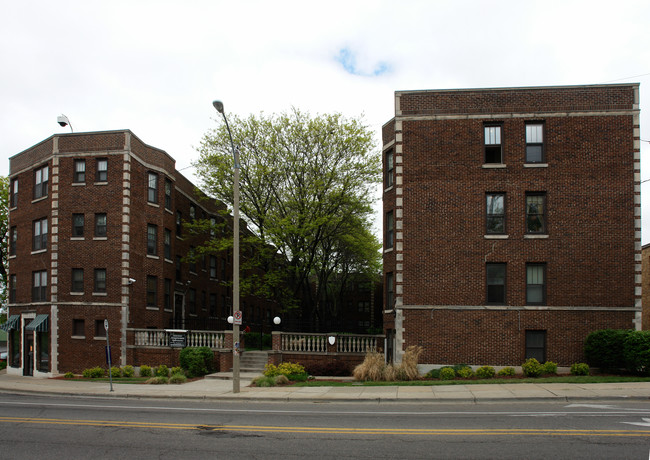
pixel 277 320
pixel 218 105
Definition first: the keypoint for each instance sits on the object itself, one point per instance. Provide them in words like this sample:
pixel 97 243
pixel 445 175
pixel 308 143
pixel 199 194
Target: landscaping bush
pixel 447 373
pixel 604 349
pixel 465 372
pixel 196 361
pixel 433 374
pixel 178 378
pixel 264 381
pixel 116 372
pixel 408 368
pixel 281 379
pixel 580 369
pixel 157 381
pixel 145 371
pixel 532 368
pixel 69 375
pixel 93 373
pixel 485 372
pixel 506 372
pixel 636 352
pixel 371 369
pixel 293 371
pixel 177 370
pixel 549 367
pixel 128 371
pixel 3 365
pixel 162 371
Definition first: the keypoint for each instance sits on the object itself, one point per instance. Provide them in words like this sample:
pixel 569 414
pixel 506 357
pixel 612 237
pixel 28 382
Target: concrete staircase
pixel 251 365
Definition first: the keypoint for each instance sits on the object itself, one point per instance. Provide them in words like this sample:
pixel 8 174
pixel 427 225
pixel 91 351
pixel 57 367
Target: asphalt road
pixel 98 428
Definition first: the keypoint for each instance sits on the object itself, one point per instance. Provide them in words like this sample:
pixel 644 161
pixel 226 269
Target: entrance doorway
pixel 28 354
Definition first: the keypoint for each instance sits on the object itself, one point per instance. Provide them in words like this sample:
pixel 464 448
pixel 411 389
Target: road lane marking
pixel 332 430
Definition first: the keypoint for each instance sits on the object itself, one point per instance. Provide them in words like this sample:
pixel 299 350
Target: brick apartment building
pixel 96 233
pixel 512 221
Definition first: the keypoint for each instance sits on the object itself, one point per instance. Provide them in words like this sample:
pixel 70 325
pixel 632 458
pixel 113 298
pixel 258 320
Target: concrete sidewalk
pixel 220 389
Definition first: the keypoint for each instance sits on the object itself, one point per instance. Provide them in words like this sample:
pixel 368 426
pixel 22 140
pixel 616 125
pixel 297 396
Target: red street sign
pixel 237 317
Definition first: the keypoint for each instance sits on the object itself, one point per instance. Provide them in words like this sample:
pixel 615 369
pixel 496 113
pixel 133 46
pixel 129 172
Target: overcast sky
pixel 154 67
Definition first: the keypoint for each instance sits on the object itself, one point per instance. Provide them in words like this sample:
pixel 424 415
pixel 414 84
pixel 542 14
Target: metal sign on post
pixel 237 318
pixel 108 355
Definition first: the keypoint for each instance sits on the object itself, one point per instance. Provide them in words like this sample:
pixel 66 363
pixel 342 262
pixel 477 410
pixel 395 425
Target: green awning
pixel 12 323
pixel 38 324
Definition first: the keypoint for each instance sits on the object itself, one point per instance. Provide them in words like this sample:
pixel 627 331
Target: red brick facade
pixel 563 237
pixel 145 286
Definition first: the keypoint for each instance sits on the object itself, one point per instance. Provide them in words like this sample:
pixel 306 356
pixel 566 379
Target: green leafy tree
pixel 4 248
pixel 307 189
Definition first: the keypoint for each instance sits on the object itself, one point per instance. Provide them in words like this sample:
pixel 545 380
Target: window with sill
pixel 39 241
pixel 390 235
pixel 79 171
pixel 79 327
pixel 14 194
pixel 41 181
pixel 536 284
pixel 495 213
pixel 102 170
pixel 100 280
pixel 536 213
pixel 389 169
pixel 152 187
pixel 100 330
pixel 13 240
pixel 78 225
pixel 495 283
pixel 535 143
pixel 152 291
pixel 39 286
pixel 101 225
pixel 493 145
pixel 152 240
pixel 77 282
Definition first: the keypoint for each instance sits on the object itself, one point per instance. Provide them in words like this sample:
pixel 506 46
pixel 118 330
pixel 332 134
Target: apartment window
pixel 389 229
pixel 12 288
pixel 100 329
pixel 78 328
pixel 496 283
pixel 78 222
pixel 40 234
pixel 77 284
pixel 41 179
pixel 101 170
pixel 152 291
pixel 536 284
pixel 13 240
pixel 390 289
pixel 79 171
pixel 168 194
pixel 389 168
pixel 493 146
pixel 167 242
pixel 192 261
pixel 535 143
pixel 213 304
pixel 39 286
pixel 536 213
pixel 495 213
pixel 179 271
pixel 179 223
pixel 168 294
pixel 213 267
pixel 100 280
pixel 536 345
pixel 152 239
pixel 192 300
pixel 100 225
pixel 204 301
pixel 13 201
pixel 152 187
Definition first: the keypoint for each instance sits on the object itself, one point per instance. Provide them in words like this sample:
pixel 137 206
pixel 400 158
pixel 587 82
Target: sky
pixel 155 67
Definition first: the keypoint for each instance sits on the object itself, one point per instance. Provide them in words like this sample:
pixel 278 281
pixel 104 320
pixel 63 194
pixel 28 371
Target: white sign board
pixel 237 317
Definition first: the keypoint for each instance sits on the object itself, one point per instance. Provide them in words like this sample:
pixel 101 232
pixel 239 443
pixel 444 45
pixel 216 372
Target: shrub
pixel 196 361
pixel 371 369
pixel 447 373
pixel 532 368
pixel 162 371
pixel 264 381
pixel 549 367
pixel 636 352
pixel 176 370
pixel 128 371
pixel 3 365
pixel 506 372
pixel 485 372
pixel 157 381
pixel 408 368
pixel 178 378
pixel 293 371
pixel 116 372
pixel 69 375
pixel 93 373
pixel 281 379
pixel 433 374
pixel 145 371
pixel 580 369
pixel 604 349
pixel 465 372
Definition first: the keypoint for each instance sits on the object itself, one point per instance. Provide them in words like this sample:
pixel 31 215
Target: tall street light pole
pixel 235 255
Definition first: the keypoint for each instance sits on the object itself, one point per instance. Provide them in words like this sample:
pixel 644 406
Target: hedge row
pixel 613 350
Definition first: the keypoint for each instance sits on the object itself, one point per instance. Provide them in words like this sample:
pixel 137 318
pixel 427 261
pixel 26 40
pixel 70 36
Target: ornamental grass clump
pixel 372 369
